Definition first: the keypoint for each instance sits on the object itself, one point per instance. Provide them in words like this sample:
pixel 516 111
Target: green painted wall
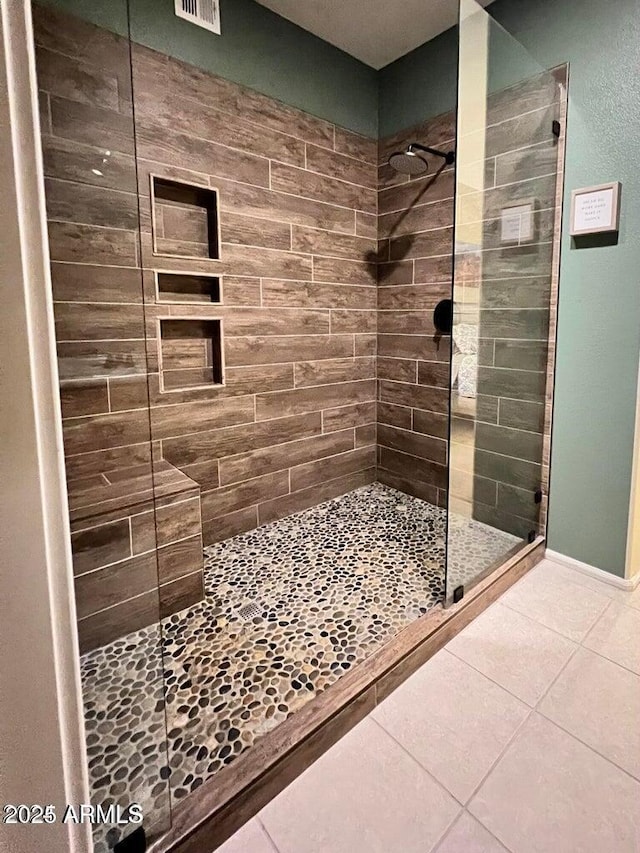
pixel 420 84
pixel 423 83
pixel 599 312
pixel 257 48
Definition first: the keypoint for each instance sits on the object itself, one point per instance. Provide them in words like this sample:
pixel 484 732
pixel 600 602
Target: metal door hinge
pixel 538 496
pixel 458 594
pixel 555 127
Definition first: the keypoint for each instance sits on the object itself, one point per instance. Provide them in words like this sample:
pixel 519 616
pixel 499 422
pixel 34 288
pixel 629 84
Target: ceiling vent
pixel 203 13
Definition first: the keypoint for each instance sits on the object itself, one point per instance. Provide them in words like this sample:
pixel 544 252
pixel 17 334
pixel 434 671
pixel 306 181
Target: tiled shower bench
pixel 137 549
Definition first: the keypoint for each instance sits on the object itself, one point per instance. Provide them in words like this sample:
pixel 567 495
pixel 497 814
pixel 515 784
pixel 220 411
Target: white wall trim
pixel 42 755
pixel 606 577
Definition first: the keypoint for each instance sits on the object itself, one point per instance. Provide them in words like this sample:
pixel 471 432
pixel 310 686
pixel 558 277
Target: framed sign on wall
pixel 595 210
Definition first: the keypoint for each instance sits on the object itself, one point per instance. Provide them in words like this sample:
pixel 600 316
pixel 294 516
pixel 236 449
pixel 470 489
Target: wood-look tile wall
pixel 131 564
pixel 295 422
pixel 330 267
pixel 90 185
pixel 517 305
pixel 509 293
pixel 415 219
pixel 137 550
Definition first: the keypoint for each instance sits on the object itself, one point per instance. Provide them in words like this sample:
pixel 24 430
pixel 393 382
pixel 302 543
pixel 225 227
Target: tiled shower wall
pixel 295 422
pixel 136 537
pixel 415 230
pixel 504 291
pixel 331 266
pixel 517 285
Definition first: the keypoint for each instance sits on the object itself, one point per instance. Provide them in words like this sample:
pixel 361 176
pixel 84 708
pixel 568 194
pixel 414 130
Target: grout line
pixel 110 302
pixel 473 817
pixel 531 709
pixel 260 823
pixel 492 680
pixel 411 284
pixel 530 712
pixel 154 550
pixel 154 589
pixel 554 680
pixel 115 521
pixel 283 443
pixel 373 719
pixel 532 619
pixel 370 188
pixel 49 115
pixel 585 743
pixel 233 484
pixel 58 180
pixel 197 104
pixel 132 231
pixel 219 178
pixel 518 116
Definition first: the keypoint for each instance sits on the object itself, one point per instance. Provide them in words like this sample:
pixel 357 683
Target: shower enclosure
pixel 508 198
pixel 306 382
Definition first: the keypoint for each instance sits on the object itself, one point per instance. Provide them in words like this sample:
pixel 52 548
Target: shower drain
pixel 249 611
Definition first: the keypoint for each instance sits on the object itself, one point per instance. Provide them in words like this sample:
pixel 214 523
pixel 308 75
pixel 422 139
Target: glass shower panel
pixel 505 215
pixel 116 494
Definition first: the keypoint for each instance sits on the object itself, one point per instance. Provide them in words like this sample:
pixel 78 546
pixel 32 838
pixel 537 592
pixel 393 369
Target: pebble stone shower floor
pixel 289 608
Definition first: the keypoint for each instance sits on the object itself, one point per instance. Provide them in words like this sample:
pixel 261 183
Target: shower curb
pixel 228 800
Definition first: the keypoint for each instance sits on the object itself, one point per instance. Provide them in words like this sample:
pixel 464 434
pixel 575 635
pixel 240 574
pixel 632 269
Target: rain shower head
pixel 411 162
pixel 408 162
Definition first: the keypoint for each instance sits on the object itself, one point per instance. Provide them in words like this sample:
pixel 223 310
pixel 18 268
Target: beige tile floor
pixel 522 735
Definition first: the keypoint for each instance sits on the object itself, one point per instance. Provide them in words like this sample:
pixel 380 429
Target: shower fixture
pixel 410 162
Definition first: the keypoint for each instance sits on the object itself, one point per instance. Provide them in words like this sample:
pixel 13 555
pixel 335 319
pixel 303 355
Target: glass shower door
pixel 118 498
pixel 505 221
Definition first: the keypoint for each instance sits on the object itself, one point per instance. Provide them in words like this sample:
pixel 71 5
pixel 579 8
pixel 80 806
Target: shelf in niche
pixel 190 353
pixel 188 288
pixel 185 220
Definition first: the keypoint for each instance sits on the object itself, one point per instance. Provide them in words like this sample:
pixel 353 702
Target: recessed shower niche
pixel 188 288
pixel 191 353
pixel 185 219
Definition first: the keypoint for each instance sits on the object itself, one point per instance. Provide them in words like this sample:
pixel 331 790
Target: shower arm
pixel 448 156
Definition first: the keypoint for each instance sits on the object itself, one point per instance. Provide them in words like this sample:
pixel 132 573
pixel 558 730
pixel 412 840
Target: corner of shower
pixel 509 181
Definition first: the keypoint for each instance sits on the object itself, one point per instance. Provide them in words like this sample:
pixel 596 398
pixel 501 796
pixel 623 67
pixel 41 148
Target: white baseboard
pixel 628 584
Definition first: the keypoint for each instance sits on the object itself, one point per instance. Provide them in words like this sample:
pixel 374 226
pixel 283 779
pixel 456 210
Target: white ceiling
pixel 374 31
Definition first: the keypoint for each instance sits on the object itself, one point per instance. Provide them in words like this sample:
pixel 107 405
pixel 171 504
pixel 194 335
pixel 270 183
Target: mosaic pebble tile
pixel 289 608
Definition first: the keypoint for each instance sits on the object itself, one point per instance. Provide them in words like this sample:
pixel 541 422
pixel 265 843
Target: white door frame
pixel 42 755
